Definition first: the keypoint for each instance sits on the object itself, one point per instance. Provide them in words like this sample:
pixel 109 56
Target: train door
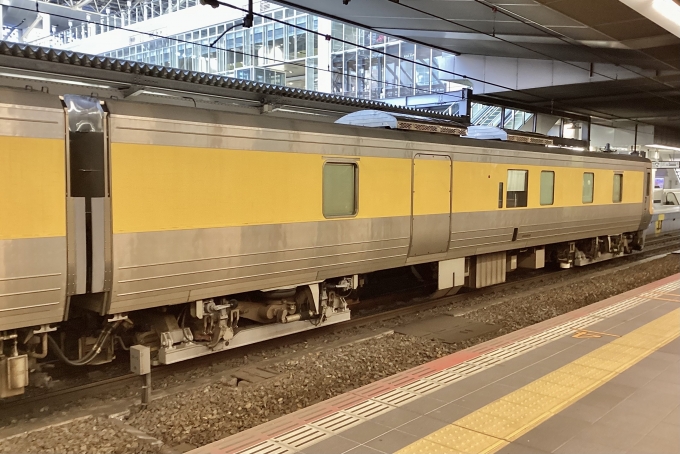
pixel 430 204
pixel 88 204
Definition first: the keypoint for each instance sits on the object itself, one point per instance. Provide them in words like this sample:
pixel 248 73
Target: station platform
pixel 602 379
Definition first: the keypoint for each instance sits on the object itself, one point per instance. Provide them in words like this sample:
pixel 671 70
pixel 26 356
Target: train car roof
pixel 269 121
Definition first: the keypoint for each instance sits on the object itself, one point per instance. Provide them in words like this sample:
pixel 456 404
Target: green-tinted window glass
pixel 618 187
pixel 588 186
pixel 547 187
pixel 339 189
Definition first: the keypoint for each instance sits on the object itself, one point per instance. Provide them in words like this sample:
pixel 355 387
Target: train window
pixel 618 187
pixel 647 184
pixel 588 185
pixel 547 187
pixel 500 195
pixel 339 189
pixel 517 189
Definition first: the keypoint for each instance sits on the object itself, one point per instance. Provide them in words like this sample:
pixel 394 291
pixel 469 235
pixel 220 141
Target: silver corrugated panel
pixel 489 270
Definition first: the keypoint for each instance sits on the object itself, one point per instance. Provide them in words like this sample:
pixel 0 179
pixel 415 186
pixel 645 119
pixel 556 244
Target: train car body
pixel 142 208
pixel 666 212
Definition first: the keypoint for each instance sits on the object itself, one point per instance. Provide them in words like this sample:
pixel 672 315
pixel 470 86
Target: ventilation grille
pixel 428 127
pixel 529 139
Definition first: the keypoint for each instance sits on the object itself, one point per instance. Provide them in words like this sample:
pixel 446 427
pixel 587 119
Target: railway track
pixel 33 404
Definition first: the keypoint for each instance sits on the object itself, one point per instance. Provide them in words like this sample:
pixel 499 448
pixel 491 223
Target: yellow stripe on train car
pixel 32 188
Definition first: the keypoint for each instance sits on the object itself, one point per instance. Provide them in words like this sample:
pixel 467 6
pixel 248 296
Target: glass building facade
pixel 361 63
pixel 390 68
pixel 261 53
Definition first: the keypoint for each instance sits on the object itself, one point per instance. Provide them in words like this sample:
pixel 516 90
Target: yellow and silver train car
pixel 193 231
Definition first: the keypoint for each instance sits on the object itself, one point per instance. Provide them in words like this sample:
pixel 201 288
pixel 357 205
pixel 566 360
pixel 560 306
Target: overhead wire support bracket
pixel 247 20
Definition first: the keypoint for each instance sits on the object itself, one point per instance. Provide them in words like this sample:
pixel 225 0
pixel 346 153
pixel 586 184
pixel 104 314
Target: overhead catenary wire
pixel 245 54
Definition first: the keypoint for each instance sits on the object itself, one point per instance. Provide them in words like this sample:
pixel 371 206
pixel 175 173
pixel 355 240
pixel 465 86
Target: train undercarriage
pixel 180 332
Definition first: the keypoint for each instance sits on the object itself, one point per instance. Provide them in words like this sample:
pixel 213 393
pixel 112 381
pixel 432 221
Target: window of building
pixel 517 189
pixel 547 187
pixel 588 186
pixel 618 187
pixel 339 189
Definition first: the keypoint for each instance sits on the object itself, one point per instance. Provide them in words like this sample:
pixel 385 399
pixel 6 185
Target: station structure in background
pixel 291 47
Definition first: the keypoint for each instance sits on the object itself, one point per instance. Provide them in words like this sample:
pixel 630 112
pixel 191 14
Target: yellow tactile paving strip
pixel 496 425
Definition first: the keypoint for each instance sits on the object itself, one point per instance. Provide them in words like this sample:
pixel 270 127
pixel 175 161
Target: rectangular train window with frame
pixel 588 187
pixel 516 196
pixel 618 188
pixel 339 189
pixel 547 187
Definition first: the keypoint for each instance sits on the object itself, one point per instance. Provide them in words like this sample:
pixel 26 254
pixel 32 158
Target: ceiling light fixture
pixel 669 8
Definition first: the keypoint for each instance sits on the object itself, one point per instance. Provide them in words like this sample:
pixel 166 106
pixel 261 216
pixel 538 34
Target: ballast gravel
pixel 202 415
pixel 83 436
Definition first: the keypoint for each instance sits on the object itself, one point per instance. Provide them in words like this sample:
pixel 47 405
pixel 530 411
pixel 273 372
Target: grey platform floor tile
pixel 493 374
pixel 654 398
pixel 515 448
pixel 675 368
pixel 423 405
pixel 610 436
pixel 520 379
pixel 584 412
pixel 449 413
pixel 666 386
pixel 636 377
pixel 607 324
pixel 628 421
pixel 639 406
pixel 664 438
pixel 553 433
pixel 608 396
pixel 391 441
pixel 673 417
pixel 523 360
pixel 332 445
pixel 489 376
pixel 577 446
pixel 422 426
pixel 652 364
pixel 534 372
pixel 455 390
pixel 671 347
pixel 363 449
pixel 364 431
pixel 669 376
pixel 395 418
pixel 484 396
pixel 670 357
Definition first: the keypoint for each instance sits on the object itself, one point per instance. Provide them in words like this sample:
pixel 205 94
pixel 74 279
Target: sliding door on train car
pixel 430 204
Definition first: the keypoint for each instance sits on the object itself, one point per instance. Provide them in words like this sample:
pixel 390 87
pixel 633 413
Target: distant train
pixel 666 212
pixel 194 231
